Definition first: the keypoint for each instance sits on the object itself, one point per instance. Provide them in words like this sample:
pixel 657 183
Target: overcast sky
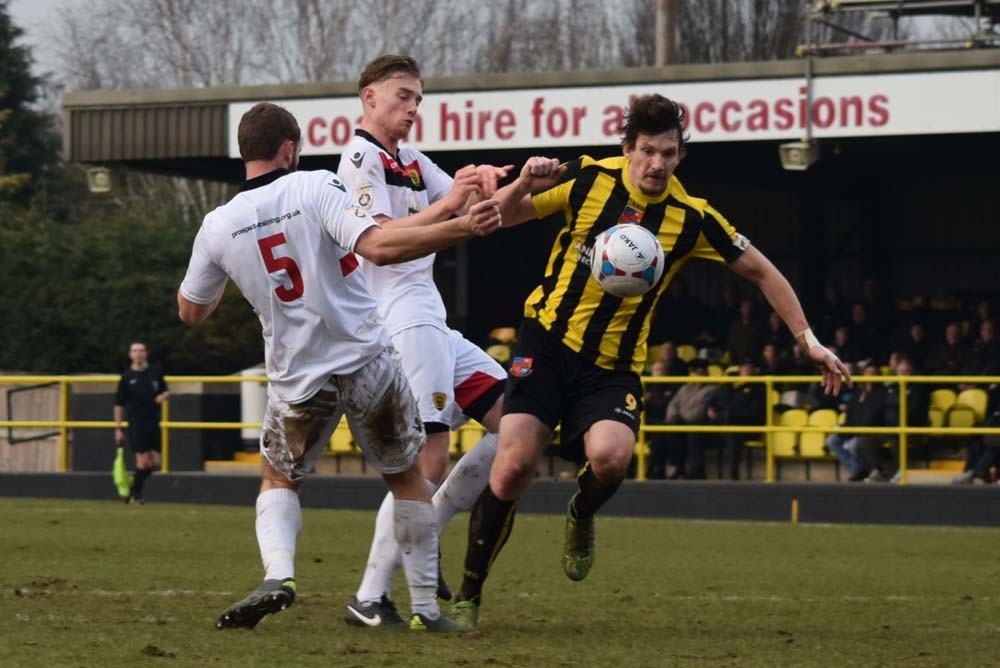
pixel 31 17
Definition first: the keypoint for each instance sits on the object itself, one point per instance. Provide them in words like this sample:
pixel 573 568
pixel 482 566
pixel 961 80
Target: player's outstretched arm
pixel 536 175
pixel 465 187
pixel 391 245
pixel 754 266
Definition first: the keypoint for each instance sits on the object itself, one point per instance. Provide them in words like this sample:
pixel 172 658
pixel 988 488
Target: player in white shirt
pixel 288 240
pixel 451 378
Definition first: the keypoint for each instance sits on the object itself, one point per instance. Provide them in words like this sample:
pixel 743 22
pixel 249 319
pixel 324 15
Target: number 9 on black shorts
pixel 548 380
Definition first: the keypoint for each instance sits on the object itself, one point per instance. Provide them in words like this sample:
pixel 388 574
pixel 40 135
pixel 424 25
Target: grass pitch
pixel 101 585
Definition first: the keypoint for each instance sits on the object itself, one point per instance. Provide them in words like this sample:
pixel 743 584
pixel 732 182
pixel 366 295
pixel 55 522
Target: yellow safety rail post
pixel 63 431
pixel 641 448
pixel 902 430
pixel 165 434
pixel 769 435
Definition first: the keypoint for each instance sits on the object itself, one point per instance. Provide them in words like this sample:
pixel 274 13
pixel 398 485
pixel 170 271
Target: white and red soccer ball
pixel 627 260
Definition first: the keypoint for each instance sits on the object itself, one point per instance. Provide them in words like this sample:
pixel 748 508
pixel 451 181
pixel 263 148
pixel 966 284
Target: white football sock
pixel 466 481
pixel 383 556
pixel 417 536
pixel 279 520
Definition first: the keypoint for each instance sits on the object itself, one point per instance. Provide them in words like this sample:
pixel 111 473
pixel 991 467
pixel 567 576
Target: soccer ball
pixel 627 260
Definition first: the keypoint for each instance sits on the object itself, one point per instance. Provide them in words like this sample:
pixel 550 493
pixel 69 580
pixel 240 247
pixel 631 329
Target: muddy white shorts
pixel 380 410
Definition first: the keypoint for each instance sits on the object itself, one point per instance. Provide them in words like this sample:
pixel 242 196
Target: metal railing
pixel 769 428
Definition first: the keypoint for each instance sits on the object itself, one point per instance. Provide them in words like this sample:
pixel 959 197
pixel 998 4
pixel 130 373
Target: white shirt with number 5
pixel 287 241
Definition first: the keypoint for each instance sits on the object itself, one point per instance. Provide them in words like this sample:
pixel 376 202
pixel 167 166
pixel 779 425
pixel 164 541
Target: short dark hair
pixel 264 129
pixel 653 115
pixel 384 67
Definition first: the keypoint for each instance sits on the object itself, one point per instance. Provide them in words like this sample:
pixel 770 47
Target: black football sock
pixel 593 493
pixel 489 527
pixel 139 481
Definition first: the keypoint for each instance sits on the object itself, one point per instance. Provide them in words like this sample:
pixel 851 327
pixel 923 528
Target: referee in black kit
pixel 141 390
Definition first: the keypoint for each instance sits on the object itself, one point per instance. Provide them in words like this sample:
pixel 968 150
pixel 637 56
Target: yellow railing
pixel 63 424
pixel 769 427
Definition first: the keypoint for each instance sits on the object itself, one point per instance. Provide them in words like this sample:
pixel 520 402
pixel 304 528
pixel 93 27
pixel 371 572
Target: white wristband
pixel 809 339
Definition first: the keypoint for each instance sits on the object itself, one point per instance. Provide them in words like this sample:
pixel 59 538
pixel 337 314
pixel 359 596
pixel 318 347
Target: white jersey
pixel 287 241
pixel 397 186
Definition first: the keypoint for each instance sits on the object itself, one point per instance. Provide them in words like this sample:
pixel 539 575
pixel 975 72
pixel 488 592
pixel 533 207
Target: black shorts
pixel 548 380
pixel 143 436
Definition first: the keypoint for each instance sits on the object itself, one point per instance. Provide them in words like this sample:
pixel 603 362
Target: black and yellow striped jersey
pixel 593 196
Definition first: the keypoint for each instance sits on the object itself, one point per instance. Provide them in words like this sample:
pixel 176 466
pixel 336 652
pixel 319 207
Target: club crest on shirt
pixel 630 216
pixel 414 175
pixel 440 400
pixel 521 366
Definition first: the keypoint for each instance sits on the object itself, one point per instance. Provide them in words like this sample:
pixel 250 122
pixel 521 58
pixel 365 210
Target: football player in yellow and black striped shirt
pixel 580 348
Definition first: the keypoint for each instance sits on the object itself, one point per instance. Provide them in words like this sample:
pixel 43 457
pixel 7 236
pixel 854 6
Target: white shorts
pixel 447 373
pixel 380 411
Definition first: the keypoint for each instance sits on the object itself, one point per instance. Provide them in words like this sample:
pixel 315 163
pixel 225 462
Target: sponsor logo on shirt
pixel 365 194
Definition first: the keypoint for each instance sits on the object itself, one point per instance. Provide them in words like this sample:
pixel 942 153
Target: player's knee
pixel 510 478
pixel 610 464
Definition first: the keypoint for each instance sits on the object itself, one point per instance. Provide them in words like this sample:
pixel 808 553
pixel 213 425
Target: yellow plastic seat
pixel 686 352
pixel 504 334
pixel 653 353
pixel 786 442
pixel 976 399
pixel 811 443
pixel 935 417
pixel 943 398
pixel 961 417
pixel 500 352
pixel 714 370
pixel 775 397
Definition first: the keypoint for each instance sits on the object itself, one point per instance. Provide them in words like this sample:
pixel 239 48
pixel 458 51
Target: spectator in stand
pixel 984 357
pixel 865 334
pixel 673 364
pixel 689 406
pixel 866 408
pixel 844 342
pixel 655 400
pixel 948 358
pixel 833 314
pixel 738 404
pixel 776 334
pixel 746 334
pixel 916 346
pixel 724 314
pixel 921 310
pixel 680 315
pixel 771 361
pixel 882 461
pixel 984 313
pixel 877 307
pixel 983 455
